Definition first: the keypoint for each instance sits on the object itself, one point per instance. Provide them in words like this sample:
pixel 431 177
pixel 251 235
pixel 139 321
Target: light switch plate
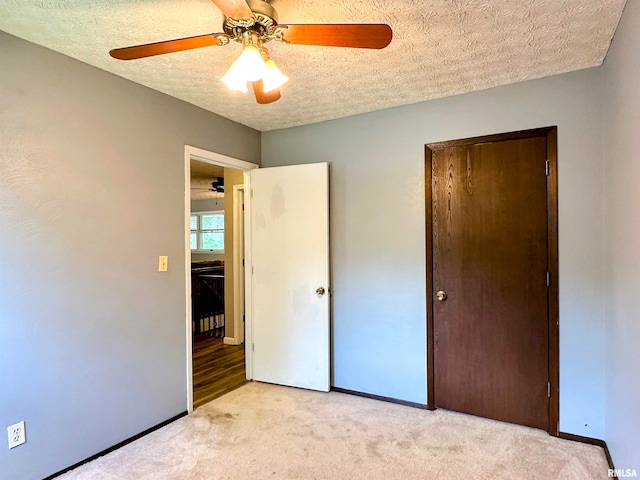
pixel 163 263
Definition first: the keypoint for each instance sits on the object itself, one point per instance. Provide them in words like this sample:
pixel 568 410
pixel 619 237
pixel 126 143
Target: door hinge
pixel 252 193
pixel 252 270
pixel 253 347
pixel 546 168
pixel 243 262
pixel 243 319
pixel 548 389
pixel 548 279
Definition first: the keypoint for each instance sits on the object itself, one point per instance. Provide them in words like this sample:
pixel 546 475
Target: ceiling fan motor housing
pixel 264 23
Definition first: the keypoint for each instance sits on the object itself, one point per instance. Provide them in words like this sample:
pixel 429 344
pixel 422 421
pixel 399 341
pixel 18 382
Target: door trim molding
pixel 238 267
pixel 195 153
pixel 551 135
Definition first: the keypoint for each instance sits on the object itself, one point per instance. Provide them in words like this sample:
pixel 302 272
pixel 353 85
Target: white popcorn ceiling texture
pixel 439 48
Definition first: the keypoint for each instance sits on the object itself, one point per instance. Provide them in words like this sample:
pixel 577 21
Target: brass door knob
pixel 441 296
pixel 320 291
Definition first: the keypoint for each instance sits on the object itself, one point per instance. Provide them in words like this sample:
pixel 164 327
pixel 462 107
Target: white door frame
pixel 194 153
pixel 238 265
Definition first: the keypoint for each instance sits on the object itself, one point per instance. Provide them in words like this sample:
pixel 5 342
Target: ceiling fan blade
pixel 264 98
pixel 340 35
pixel 236 9
pixel 169 46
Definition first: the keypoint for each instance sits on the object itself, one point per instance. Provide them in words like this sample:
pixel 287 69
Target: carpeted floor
pixel 262 431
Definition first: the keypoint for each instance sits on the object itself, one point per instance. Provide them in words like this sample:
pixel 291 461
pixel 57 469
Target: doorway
pixel 492 277
pixel 216 349
pixel 216 298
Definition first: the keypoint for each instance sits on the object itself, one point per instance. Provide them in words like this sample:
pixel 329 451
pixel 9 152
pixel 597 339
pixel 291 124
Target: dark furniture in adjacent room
pixel 207 297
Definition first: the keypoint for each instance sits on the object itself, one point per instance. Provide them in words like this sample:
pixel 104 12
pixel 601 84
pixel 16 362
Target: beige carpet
pixel 264 431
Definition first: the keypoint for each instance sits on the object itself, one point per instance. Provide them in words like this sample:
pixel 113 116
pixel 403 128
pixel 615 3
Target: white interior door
pixel 290 259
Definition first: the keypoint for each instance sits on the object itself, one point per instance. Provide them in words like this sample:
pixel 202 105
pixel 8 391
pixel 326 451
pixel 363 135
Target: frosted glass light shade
pixel 251 67
pixel 273 77
pixel 234 80
pixel 250 64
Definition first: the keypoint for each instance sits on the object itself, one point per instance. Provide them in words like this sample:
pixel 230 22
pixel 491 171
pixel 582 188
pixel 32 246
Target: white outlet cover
pixel 17 434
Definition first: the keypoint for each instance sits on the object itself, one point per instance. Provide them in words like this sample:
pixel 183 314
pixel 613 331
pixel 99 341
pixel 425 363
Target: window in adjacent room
pixel 207 232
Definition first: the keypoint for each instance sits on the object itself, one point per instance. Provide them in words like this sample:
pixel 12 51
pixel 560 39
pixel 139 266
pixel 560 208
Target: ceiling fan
pixel 254 23
pixel 217 185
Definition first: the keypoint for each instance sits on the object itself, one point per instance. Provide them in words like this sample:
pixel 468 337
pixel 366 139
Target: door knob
pixel 441 296
pixel 320 291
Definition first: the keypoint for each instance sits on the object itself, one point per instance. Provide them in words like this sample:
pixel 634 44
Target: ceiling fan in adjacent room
pixel 253 23
pixel 217 185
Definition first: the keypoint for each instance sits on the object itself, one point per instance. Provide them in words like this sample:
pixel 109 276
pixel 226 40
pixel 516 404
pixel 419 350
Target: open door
pixel 290 279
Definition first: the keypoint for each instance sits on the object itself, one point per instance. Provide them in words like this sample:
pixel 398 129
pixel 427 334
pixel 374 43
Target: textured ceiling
pixel 202 174
pixel 440 48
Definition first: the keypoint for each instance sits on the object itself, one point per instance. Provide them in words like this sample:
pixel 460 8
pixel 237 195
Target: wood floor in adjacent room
pixel 217 368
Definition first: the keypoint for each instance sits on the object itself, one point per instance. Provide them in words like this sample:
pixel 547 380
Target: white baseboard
pixel 230 341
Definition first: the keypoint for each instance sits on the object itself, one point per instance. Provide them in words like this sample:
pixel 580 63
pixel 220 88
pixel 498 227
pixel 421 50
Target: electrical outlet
pixel 163 263
pixel 17 435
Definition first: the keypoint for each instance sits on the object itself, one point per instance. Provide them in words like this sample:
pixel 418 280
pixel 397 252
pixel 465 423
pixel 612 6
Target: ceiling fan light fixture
pixel 273 77
pixel 254 64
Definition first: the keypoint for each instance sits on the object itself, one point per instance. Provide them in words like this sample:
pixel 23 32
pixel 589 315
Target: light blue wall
pixel 621 74
pixel 378 231
pixel 92 337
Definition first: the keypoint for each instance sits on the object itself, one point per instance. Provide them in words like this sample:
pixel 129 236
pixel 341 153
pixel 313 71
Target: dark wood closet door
pixel 489 227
